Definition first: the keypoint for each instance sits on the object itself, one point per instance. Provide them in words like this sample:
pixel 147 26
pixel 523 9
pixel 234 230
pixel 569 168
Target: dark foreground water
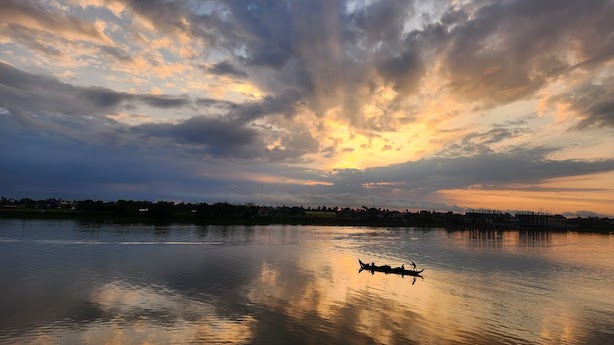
pixel 73 283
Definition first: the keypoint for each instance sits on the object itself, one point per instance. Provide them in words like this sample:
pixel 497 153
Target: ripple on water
pixel 190 284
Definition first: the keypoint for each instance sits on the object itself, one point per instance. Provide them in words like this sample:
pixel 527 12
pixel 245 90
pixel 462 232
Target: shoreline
pixel 114 218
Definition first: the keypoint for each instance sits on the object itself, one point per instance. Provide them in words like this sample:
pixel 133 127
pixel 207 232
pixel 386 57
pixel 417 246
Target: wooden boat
pixel 387 269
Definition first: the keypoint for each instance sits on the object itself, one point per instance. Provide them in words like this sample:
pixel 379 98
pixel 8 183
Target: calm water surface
pixel 76 283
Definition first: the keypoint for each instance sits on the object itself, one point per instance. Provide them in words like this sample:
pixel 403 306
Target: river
pixel 85 283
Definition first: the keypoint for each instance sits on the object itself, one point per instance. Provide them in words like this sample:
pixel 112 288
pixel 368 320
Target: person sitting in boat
pixel 372 265
pixel 403 267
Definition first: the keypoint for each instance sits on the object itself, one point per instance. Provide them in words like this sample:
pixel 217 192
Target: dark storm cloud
pixel 106 98
pixel 116 53
pixel 319 50
pixel 137 163
pixel 25 94
pixel 18 79
pixel 599 114
pixel 283 104
pixel 497 170
pixel 594 104
pixel 226 68
pixel 492 52
pixel 28 97
pixel 505 51
pixel 293 145
pixel 225 137
pixel 316 49
pixel 218 137
pixel 403 71
pixel 264 27
pixel 41 161
pixel 480 143
pixel 163 101
pixel 210 102
pixel 379 29
pixel 381 21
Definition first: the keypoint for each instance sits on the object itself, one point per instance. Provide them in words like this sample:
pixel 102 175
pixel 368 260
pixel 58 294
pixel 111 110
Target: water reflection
pixel 534 239
pixel 120 313
pixel 287 284
pixel 504 240
pixel 335 309
pixel 485 239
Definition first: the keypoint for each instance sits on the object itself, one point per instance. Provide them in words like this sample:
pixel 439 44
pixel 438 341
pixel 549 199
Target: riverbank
pixel 315 218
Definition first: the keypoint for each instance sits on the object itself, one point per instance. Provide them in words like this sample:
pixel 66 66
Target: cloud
pixel 210 102
pixel 163 101
pixel 326 65
pixel 404 71
pixel 231 138
pixel 379 23
pixel 66 164
pixel 192 160
pixel 25 94
pixel 34 15
pixel 504 51
pixel 323 84
pixel 488 52
pixel 218 137
pixel 497 170
pixel 263 28
pixel 226 68
pixel 164 15
pixel 283 103
pixel 476 143
pixel 293 144
pixel 119 54
pixel 593 103
pixel 203 158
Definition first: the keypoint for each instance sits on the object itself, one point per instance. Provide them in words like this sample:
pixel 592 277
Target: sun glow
pixel 589 192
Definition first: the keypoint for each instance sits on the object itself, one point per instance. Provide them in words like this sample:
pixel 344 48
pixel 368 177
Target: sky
pixel 407 105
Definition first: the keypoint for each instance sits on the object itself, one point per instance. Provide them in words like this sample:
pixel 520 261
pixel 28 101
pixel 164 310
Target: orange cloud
pixel 588 192
pixel 63 25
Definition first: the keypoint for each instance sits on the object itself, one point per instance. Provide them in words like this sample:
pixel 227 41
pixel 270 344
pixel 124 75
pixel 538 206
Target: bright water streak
pixel 68 282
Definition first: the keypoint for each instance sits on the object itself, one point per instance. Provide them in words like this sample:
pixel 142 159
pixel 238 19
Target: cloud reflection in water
pixel 289 284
